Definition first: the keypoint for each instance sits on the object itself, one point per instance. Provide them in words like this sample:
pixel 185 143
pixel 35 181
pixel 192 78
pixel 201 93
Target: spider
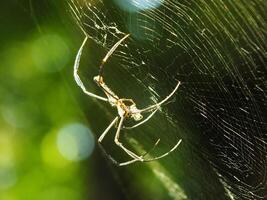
pixel 126 108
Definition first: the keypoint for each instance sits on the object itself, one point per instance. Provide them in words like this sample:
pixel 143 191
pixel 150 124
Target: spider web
pixel 217 49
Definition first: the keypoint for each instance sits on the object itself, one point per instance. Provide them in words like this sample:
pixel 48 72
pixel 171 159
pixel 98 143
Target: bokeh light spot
pixel 75 142
pixel 50 154
pixel 137 5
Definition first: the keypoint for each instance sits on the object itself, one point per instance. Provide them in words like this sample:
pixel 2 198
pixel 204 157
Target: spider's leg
pixel 108 155
pixel 116 140
pixel 149 108
pixel 102 137
pixel 143 121
pixel 129 100
pixel 107 129
pixel 156 143
pixel 110 52
pixel 135 160
pixel 146 160
pixel 129 162
pixel 119 163
pixel 76 75
pixel 165 154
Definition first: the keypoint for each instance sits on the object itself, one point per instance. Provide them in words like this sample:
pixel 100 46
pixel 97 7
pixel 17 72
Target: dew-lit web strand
pixel 250 69
pixel 102 27
pixel 215 46
pixel 170 25
pixel 225 125
pixel 76 65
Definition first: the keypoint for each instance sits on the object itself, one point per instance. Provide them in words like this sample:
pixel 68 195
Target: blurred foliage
pixel 38 102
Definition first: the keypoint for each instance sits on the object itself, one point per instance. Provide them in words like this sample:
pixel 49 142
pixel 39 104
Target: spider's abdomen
pixel 135 113
pixel 121 110
pixel 137 116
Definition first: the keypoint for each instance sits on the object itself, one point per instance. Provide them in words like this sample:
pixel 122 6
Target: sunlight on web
pixel 137 5
pixel 217 50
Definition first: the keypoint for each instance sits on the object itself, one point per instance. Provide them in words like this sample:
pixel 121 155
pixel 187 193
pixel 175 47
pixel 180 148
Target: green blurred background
pixel 46 143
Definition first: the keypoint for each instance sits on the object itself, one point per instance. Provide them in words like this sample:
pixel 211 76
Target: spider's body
pixel 126 108
pixel 128 111
pixel 111 96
